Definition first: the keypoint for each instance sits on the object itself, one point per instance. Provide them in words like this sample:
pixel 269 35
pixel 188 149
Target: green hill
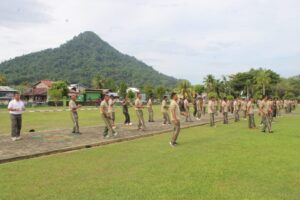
pixel 78 60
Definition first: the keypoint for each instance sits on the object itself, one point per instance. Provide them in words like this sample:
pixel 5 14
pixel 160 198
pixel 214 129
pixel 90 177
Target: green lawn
pixel 61 120
pixel 227 162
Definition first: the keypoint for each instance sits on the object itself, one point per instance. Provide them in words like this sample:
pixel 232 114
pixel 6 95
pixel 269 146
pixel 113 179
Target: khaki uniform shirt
pixel 174 107
pixel 211 106
pixel 149 104
pixel 225 106
pixel 111 105
pixel 164 106
pixel 264 107
pixel 103 107
pixel 250 107
pixel 244 105
pixel 72 106
pixel 235 106
pixel 137 104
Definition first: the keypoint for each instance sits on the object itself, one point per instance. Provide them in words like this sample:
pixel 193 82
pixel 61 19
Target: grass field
pixel 227 162
pixel 60 120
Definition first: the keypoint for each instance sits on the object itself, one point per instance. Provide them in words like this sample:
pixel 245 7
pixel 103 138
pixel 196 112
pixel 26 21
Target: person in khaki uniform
pixel 199 107
pixel 187 110
pixel 74 115
pixel 150 109
pixel 164 110
pixel 250 112
pixel 175 118
pixel 139 112
pixel 265 112
pixel 225 108
pixel 236 110
pixel 111 109
pixel 244 108
pixel 270 108
pixel 211 111
pixel 106 117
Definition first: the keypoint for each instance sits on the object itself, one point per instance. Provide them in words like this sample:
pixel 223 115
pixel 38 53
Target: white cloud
pixel 184 38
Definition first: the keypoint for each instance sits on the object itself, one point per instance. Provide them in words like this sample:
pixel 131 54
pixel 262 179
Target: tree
pixel 160 92
pixel 57 91
pixel 3 80
pixel 110 84
pixel 55 95
pixel 131 95
pixel 248 84
pixel 149 90
pixel 122 89
pixel 98 82
pixel 210 83
pixel 263 79
pixel 199 89
pixel 184 87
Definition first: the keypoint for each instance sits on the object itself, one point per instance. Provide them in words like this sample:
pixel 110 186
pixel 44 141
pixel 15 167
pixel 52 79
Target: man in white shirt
pixel 16 108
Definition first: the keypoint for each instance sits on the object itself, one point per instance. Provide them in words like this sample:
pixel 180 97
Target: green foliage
pixel 212 95
pixel 55 95
pixel 131 95
pixel 184 88
pixel 230 97
pixel 98 82
pixel 160 92
pixel 3 80
pixel 57 91
pixel 149 91
pixel 110 84
pixel 289 95
pixel 78 60
pixel 62 86
pixel 210 83
pixel 199 89
pixel 122 89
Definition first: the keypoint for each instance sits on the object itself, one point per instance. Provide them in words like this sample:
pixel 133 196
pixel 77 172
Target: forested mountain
pixel 78 61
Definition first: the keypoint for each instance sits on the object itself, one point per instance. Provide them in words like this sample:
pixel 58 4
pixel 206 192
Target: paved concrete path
pixel 50 142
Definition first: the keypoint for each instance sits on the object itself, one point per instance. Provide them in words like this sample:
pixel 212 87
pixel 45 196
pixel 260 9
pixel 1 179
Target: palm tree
pixel 247 83
pixel 263 79
pixel 210 83
pixel 185 88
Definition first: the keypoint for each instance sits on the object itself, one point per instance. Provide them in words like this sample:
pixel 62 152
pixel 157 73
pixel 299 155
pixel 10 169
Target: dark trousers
pixel 251 122
pixel 212 119
pixel 236 116
pixel 225 115
pixel 16 125
pixel 195 111
pixel 127 117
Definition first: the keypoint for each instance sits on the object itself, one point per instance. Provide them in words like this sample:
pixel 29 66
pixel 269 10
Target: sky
pixel 186 39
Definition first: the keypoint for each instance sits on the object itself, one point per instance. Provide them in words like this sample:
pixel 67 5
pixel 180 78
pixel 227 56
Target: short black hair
pixel 173 94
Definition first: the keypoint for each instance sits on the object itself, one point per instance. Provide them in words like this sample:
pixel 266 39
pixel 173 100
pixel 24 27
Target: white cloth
pixel 19 105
